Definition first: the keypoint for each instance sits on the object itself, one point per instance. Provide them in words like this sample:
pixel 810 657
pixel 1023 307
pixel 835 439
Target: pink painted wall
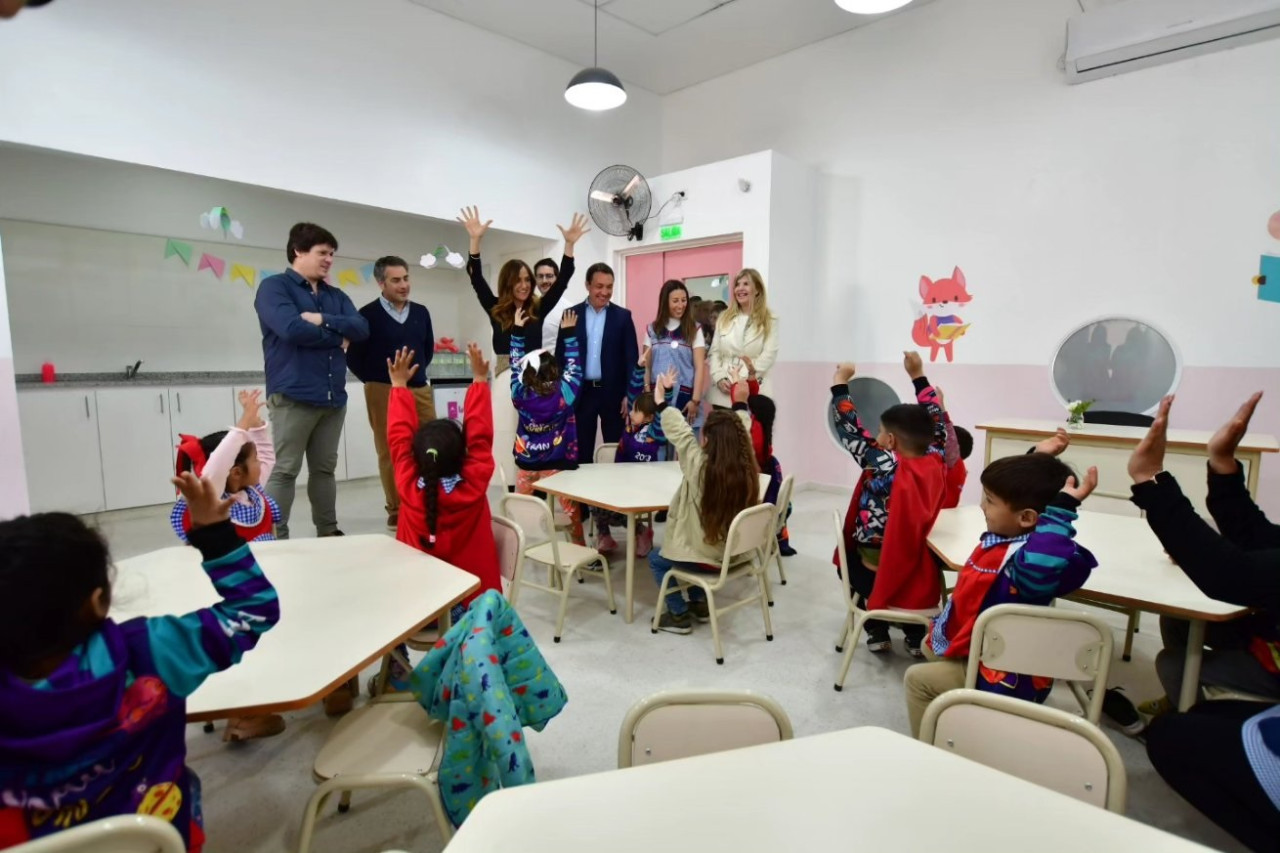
pixel 976 393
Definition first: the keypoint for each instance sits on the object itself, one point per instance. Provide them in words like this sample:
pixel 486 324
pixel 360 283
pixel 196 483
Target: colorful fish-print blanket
pixel 486 680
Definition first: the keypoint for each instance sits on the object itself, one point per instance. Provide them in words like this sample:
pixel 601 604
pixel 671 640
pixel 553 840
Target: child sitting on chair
pixel 896 500
pixel 721 479
pixel 1027 556
pixel 642 441
pixel 543 395
pixel 94 711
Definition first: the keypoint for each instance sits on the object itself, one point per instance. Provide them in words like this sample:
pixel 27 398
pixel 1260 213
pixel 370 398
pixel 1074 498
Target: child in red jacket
pixel 442 474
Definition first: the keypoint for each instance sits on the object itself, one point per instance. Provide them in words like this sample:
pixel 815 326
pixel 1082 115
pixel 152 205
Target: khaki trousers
pixel 376 396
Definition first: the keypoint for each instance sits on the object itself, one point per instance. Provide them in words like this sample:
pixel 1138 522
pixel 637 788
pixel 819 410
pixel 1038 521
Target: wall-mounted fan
pixel 619 202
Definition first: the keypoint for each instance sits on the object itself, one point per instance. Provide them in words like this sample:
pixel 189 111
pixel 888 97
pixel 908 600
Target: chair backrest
pixel 118 834
pixel 784 500
pixel 499 474
pixel 1047 641
pixel 509 539
pixel 750 531
pixel 1052 748
pixel 606 452
pixel 681 723
pixel 842 557
pixel 532 516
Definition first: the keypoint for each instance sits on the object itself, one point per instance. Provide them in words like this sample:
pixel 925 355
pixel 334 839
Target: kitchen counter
pixel 28 381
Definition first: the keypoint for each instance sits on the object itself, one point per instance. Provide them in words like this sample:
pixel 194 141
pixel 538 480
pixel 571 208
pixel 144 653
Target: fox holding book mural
pixel 937 326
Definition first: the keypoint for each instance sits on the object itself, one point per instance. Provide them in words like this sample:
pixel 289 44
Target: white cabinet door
pixel 133 428
pixel 200 410
pixel 362 456
pixel 60 449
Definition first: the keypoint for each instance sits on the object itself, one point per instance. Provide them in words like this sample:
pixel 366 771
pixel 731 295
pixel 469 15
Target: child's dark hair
pixel 644 405
pixel 1026 481
pixel 763 411
pixel 50 565
pixel 542 380
pixel 911 424
pixel 438 450
pixel 964 438
pixel 208 444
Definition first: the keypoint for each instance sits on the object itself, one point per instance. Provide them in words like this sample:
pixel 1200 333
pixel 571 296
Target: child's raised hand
pixel 401 368
pixel 740 391
pixel 1055 444
pixel 1222 446
pixel 479 367
pixel 844 372
pixel 751 368
pixel 251 416
pixel 569 319
pixel 1147 459
pixel 913 363
pixel 645 355
pixel 204 500
pixel 1079 490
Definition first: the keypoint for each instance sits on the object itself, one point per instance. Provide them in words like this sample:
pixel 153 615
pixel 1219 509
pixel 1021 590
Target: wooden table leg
pixel 631 566
pixel 1191 667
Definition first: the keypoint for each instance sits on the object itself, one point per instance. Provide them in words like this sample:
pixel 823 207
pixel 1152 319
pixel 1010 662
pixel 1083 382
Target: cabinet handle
pixel 86 406
pixel 162 404
pixel 179 396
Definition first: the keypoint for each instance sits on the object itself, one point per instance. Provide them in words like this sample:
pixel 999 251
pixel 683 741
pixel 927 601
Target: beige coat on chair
pixel 730 344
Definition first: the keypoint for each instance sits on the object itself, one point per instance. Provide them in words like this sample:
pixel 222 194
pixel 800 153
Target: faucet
pixel 131 370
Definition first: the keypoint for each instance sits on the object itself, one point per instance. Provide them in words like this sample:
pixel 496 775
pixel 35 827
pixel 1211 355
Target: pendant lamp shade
pixel 871 7
pixel 595 89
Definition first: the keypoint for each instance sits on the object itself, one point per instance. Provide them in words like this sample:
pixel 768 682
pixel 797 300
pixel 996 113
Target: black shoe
pixel 913 647
pixel 673 624
pixel 698 607
pixel 785 549
pixel 1117 708
pixel 879 643
pixel 661 516
pixel 334 533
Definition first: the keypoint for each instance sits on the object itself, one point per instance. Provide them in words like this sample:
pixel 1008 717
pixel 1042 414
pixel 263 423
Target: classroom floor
pixel 254 793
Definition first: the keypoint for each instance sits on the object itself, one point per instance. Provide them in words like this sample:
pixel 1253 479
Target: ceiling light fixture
pixel 871 7
pixel 596 88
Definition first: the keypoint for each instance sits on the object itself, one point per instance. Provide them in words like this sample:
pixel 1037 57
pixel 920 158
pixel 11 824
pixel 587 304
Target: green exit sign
pixel 672 232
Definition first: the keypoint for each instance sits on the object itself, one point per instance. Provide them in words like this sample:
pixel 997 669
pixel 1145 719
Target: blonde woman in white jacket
pixel 745 345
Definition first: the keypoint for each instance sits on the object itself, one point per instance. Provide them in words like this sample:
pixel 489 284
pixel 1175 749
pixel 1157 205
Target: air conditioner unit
pixel 1135 34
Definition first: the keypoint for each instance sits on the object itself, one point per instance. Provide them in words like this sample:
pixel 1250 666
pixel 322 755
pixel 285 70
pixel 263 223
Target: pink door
pixel 646 274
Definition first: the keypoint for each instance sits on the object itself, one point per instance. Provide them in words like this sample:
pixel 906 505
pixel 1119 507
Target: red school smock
pixel 464 527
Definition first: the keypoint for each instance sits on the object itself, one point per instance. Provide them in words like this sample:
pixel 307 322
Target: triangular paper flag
pixel 240 272
pixel 366 272
pixel 215 265
pixel 263 275
pixel 349 278
pixel 176 247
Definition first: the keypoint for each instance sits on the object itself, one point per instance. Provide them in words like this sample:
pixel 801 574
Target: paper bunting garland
pixel 366 272
pixel 176 247
pixel 443 253
pixel 349 278
pixel 240 272
pixel 215 265
pixel 263 275
pixel 220 217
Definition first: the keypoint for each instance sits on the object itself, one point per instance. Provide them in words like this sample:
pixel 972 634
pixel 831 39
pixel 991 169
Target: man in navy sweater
pixel 307 326
pixel 394 322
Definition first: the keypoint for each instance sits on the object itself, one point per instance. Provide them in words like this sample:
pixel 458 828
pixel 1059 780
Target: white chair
pixel 565 558
pixel 784 501
pixel 855 619
pixel 1051 748
pixel 682 723
pixel 1063 644
pixel 605 453
pixel 388 743
pixel 748 536
pixel 116 834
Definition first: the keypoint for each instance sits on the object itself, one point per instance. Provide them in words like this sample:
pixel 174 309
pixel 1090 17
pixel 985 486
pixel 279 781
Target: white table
pixel 344 603
pixel 1133 571
pixel 631 489
pixel 858 789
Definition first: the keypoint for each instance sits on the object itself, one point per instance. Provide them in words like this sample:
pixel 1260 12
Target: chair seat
pixel 571 554
pixel 380 738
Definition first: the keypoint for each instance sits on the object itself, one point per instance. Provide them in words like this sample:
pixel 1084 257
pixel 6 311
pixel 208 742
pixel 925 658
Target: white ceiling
pixel 662 45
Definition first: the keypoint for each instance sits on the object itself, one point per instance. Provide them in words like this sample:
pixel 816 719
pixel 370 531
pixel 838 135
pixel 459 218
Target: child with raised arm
pixel 93 712
pixel 1027 556
pixel 895 502
pixel 543 395
pixel 642 441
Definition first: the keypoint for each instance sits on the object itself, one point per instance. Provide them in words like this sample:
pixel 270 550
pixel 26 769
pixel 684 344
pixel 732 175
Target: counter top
pixel 29 381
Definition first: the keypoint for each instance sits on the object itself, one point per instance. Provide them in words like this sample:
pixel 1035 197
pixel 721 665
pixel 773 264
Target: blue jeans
pixel 675 602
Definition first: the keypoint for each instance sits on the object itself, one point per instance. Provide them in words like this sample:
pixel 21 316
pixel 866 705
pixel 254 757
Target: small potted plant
pixel 1075 413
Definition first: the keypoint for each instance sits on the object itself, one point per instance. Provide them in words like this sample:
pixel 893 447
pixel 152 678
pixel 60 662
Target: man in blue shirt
pixel 307 326
pixel 394 322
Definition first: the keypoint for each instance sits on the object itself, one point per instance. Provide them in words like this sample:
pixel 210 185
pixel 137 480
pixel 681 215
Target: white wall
pixel 950 138
pixel 13 485
pixel 380 102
